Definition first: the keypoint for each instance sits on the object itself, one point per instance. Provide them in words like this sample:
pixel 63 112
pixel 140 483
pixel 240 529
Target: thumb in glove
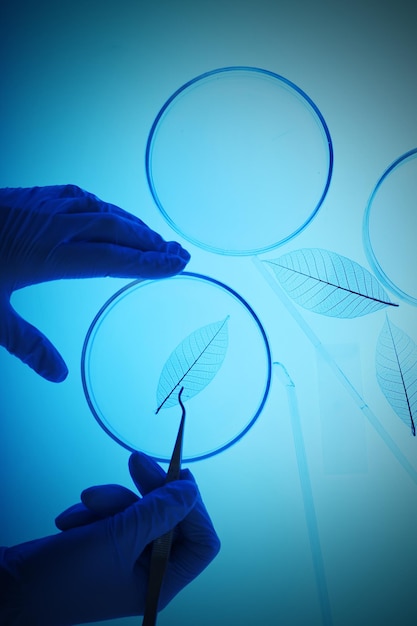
pixel 30 345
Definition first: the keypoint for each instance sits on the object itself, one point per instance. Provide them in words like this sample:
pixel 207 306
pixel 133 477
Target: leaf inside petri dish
pixel 193 364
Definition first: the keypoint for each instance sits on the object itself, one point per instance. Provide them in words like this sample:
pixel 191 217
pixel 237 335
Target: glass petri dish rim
pixel 96 321
pixel 369 251
pixel 149 147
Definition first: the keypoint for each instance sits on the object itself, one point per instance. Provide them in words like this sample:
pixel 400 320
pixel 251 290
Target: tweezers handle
pixel 161 547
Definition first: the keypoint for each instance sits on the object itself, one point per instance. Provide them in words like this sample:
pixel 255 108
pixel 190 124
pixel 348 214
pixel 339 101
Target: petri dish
pixel 131 339
pixel 239 160
pixel 389 227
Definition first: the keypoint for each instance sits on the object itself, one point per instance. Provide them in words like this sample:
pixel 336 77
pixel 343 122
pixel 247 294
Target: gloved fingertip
pixel 59 374
pixel 137 455
pixel 185 255
pixel 55 372
pixel 108 499
pixel 173 265
pixel 139 459
pixel 76 515
pixel 187 475
pixel 145 472
pixel 46 360
pixel 175 249
pixel 32 347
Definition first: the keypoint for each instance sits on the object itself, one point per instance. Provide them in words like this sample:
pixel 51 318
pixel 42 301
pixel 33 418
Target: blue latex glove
pixel 49 233
pixel 97 568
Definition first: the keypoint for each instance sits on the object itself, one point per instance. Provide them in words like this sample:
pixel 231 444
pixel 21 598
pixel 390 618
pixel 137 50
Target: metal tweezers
pixel 161 547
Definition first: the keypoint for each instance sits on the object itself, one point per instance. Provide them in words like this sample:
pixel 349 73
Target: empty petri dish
pixel 239 160
pixel 132 339
pixel 389 227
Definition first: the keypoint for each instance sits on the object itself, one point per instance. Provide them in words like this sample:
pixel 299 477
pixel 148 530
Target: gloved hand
pixel 97 568
pixel 49 233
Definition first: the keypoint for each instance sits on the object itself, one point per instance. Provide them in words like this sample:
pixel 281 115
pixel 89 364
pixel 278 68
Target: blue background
pixel 82 83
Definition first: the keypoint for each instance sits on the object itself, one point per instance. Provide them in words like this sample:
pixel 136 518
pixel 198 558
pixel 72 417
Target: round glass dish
pixel 239 160
pixel 130 341
pixel 390 227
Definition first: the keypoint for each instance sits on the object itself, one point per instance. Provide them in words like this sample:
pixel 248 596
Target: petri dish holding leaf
pixel 153 337
pixel 390 225
pixel 239 160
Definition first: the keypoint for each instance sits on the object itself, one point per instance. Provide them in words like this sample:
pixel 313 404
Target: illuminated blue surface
pixel 84 83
